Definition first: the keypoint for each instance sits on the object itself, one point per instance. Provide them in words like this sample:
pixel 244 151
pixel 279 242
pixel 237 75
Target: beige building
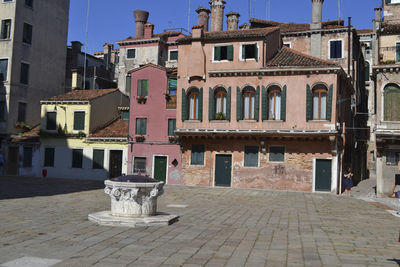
pixel 32 59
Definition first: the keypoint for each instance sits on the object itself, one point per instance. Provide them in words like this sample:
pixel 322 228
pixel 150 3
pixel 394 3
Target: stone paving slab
pixel 47 218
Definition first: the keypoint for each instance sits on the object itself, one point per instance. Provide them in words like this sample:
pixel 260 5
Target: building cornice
pixel 139 41
pixel 274 71
pixel 64 102
pixel 386 68
pixel 318 31
pixel 288 132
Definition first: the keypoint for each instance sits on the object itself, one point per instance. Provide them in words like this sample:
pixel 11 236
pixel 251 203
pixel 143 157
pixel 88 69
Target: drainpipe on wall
pixel 348 49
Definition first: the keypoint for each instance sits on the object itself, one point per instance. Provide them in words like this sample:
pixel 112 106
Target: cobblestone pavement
pixel 219 227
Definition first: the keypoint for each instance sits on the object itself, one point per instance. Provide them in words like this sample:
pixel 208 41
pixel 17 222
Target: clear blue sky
pixel 112 20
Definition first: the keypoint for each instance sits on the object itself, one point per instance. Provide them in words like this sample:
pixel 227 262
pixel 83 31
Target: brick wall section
pixel 295 173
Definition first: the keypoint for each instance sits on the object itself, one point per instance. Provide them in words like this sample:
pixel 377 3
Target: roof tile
pixel 118 128
pixel 82 95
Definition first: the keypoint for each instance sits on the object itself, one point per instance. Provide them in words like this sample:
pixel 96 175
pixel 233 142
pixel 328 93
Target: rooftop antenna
pixel 268 7
pixel 340 8
pixel 188 26
pixel 86 44
pixel 249 9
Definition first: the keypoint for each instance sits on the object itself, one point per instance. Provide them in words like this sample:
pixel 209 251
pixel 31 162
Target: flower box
pixel 140 138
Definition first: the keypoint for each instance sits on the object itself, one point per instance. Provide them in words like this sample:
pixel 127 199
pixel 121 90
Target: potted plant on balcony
pixel 141 99
pixel 140 138
pixel 173 139
pixel 220 116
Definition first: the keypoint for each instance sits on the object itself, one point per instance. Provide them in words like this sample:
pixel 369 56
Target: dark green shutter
pixel 211 103
pixel 171 127
pixel 243 52
pixel 77 157
pixel 257 104
pixel 98 159
pixel 79 120
pixel 128 84
pixel 184 105
pixel 309 106
pixel 228 104
pixel 238 104
pixel 264 103
pixel 201 105
pixel 217 53
pixel 139 88
pixel 255 51
pixel 230 52
pixel 329 103
pixel 145 87
pixel 283 104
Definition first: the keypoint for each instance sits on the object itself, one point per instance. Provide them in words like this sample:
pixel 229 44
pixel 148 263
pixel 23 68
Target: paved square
pixel 219 227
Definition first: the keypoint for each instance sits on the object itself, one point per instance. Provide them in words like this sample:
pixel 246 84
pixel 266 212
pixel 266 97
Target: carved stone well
pixel 133 203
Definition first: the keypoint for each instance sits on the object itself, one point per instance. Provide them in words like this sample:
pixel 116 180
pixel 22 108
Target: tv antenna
pixel 268 9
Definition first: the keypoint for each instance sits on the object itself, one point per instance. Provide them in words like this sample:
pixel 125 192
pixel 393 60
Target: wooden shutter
pixel 145 87
pixel 329 103
pixel 238 104
pixel 139 88
pixel 243 52
pixel 79 120
pixel 228 104
pixel 184 105
pixel 309 106
pixel 283 103
pixel 264 103
pixel 397 52
pixel 256 51
pixel 257 104
pixel 98 159
pixel 201 105
pixel 217 53
pixel 211 104
pixel 128 86
pixel 77 157
pixel 230 52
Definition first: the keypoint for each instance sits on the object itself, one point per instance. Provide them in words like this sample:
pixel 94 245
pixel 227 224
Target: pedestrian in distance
pixel 347 181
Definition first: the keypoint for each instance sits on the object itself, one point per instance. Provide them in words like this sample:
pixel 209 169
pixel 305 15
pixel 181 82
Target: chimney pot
pixel 204 16
pixel 217 15
pixel 148 30
pixel 141 17
pixel 317 14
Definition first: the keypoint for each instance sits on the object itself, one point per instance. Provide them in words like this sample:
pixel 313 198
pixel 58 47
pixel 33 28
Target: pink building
pixel 154 149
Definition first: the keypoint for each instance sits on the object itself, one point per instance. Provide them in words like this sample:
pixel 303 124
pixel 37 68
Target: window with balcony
pixel 5 29
pixel 391 102
pixel 143 88
pixel 223 53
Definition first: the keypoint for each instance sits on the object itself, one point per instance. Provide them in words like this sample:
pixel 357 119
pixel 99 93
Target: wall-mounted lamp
pixel 262 143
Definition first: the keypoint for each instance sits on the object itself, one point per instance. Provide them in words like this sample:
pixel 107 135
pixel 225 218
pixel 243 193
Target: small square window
pixel 197 155
pixel 21 112
pixel 29 3
pixel 24 78
pixel 287 44
pixel 27 160
pixel 173 55
pixel 276 154
pixel 251 156
pixel 131 53
pixel 392 157
pixel 49 157
pixel 7 1
pixel 77 158
pixel 125 115
pixel 27 34
pixel 139 165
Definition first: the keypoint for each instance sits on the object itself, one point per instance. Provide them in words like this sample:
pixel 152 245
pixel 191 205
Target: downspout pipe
pixel 348 49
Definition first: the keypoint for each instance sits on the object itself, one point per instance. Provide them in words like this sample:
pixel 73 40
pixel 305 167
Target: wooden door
pixel 12 161
pixel 323 175
pixel 115 167
pixel 160 168
pixel 223 170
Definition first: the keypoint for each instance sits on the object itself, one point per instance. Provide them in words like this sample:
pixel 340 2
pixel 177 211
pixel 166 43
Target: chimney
pixel 148 30
pixel 244 26
pixel 141 17
pixel 76 46
pixel 232 21
pixel 316 14
pixel 107 54
pixel 204 16
pixel 378 14
pixel 217 15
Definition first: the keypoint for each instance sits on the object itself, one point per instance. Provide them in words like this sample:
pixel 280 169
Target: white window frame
pixel 11 28
pixel 84 124
pixel 8 69
pixel 288 43
pixel 329 48
pixel 133 163
pixel 249 59
pixel 169 55
pixel 213 53
pixel 131 58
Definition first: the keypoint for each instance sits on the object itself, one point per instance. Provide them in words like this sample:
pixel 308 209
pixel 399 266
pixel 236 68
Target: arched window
pixel 220 103
pixel 392 102
pixel 274 102
pixel 319 94
pixel 193 104
pixel 367 66
pixel 248 97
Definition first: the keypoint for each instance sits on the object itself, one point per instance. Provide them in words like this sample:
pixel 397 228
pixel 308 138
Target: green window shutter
pixel 211 103
pixel 184 105
pixel 145 87
pixel 397 52
pixel 128 84
pixel 98 159
pixel 230 52
pixel 255 51
pixel 139 88
pixel 243 52
pixel 257 104
pixel 228 104
pixel 171 127
pixel 283 103
pixel 79 120
pixel 329 103
pixel 77 157
pixel 217 53
pixel 264 103
pixel 49 157
pixel 238 104
pixel 201 105
pixel 141 126
pixel 309 106
pixel 27 160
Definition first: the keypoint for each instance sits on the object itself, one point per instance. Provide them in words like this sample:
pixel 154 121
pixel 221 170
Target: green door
pixel 223 169
pixel 160 168
pixel 323 175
